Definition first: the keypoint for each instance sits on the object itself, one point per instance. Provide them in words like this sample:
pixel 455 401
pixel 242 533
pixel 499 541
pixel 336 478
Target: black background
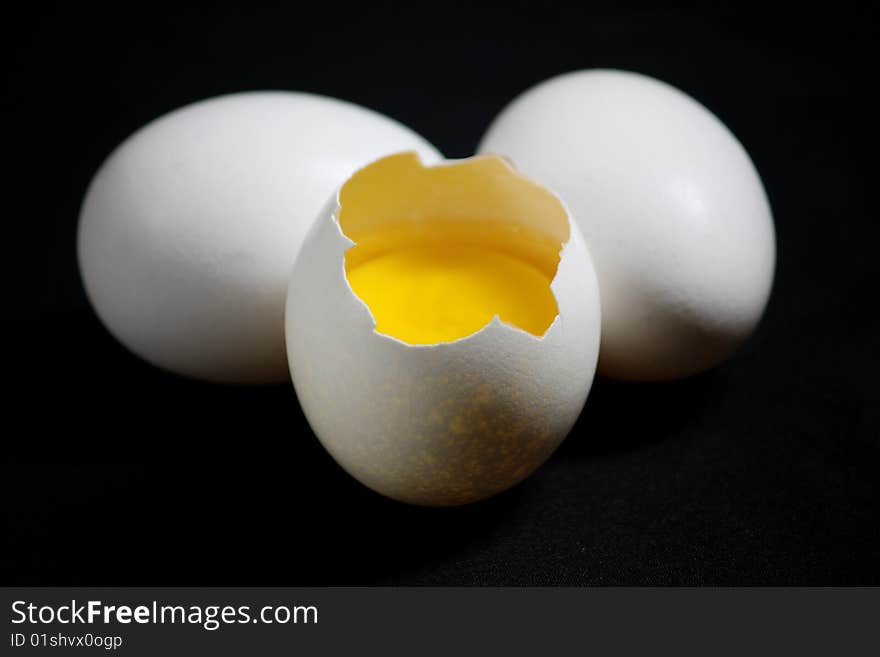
pixel 764 471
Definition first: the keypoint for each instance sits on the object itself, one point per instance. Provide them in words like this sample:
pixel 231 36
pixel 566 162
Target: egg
pixel 671 207
pixel 189 230
pixel 442 327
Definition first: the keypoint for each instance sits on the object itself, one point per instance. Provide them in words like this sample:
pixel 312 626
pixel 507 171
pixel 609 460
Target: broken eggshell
pixel 452 422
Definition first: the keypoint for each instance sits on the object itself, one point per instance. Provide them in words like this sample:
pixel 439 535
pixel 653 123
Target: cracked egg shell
pixel 456 420
pixel 189 229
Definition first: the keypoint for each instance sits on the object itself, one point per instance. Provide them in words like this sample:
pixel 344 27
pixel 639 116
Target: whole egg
pixel 670 205
pixel 189 229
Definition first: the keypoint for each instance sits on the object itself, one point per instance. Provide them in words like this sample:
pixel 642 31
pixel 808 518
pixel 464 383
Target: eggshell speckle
pixel 189 230
pixel 441 424
pixel 671 207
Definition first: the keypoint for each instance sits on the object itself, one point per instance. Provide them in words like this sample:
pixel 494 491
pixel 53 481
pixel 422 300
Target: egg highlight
pixel 442 327
pixel 671 207
pixel 189 229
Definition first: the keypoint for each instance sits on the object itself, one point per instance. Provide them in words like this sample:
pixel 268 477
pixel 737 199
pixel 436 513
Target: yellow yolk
pixel 441 293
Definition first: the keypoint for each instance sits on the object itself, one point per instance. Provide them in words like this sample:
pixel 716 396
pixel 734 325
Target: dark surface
pixel 765 471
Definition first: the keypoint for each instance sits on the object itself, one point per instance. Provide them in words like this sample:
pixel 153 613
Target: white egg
pixel 189 230
pixel 451 419
pixel 670 205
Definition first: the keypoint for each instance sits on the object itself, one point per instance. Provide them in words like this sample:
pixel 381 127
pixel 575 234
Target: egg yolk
pixel 445 292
